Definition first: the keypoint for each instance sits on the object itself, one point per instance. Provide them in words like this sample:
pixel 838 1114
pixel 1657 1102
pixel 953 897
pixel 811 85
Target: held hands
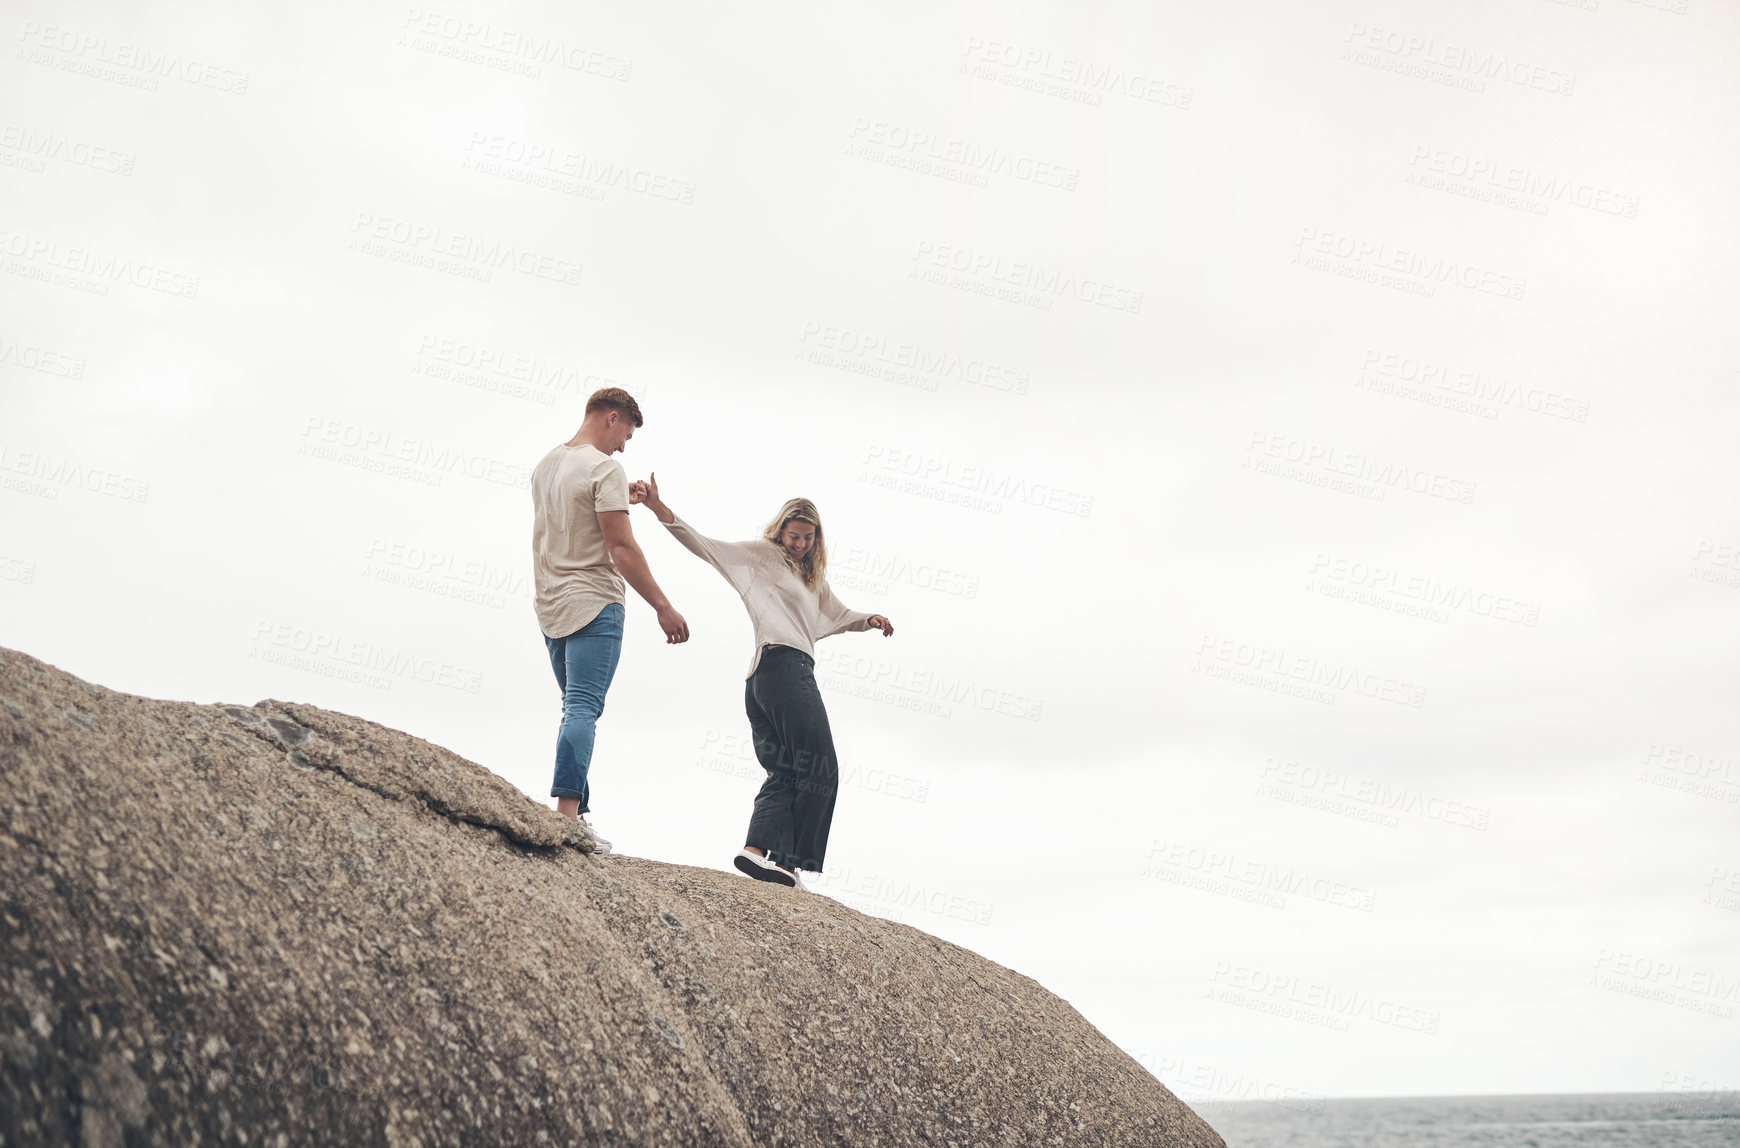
pixel 647 491
pixel 644 490
pixel 878 622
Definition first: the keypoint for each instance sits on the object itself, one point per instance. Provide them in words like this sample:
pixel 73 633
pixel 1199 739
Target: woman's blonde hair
pixel 814 565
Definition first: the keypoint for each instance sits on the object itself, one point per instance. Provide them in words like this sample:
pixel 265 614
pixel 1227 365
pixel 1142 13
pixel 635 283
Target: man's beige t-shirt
pixel 572 573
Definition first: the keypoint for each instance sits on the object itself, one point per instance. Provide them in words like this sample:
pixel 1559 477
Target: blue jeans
pixel 585 662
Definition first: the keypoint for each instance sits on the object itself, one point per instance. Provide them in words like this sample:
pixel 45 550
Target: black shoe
pixel 756 866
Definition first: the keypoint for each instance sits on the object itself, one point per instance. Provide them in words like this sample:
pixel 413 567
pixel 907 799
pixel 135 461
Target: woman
pixel 780 577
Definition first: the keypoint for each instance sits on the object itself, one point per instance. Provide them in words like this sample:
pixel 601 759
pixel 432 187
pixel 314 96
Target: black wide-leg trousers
pixel 795 806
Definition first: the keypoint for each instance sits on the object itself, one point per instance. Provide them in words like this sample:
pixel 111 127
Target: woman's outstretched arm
pixel 840 618
pixel 737 561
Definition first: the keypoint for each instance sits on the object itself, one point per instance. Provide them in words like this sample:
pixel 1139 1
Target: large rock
pixel 275 925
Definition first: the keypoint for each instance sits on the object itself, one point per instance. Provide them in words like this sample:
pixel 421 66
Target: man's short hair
pixel 615 399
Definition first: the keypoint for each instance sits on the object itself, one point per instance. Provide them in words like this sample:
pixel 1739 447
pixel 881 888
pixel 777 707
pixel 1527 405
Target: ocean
pixel 1617 1120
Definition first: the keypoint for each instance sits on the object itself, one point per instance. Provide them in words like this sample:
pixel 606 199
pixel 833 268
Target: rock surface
pixel 279 925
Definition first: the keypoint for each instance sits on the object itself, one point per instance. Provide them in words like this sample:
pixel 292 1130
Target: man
pixel 582 549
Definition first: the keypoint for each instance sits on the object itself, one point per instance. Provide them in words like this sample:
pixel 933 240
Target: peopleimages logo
pixel 1486 388
pixel 334 655
pixel 554 161
pixel 1308 671
pixel 945 475
pixel 55 474
pixel 879 569
pixel 39 147
pixel 1531 185
pixel 1427 57
pixel 35 358
pixel 734 753
pixel 881 889
pixel 897 681
pixel 1195 1083
pixel 1363 798
pixel 926 146
pixel 1666 981
pixel 420 243
pixel 89 52
pixel 512 374
pixel 1389 582
pixel 1375 255
pixel 1215 871
pixel 475 42
pixel 845 347
pixel 447 575
pixel 1314 1002
pixel 99 268
pixel 1333 461
pixel 1062 74
pixel 1045 282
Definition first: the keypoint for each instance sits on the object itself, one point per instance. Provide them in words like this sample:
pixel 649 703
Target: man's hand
pixel 636 493
pixel 878 622
pixel 676 630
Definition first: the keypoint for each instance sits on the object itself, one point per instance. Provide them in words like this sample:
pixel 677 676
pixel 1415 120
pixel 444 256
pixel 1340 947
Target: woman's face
pixel 797 538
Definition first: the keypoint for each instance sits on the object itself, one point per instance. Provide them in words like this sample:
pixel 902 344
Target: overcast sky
pixel 1294 444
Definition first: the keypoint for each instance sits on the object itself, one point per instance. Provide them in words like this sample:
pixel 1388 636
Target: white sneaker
pixel 600 845
pixel 756 866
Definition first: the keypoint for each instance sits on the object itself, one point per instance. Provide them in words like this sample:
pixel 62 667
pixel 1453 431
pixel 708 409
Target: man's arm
pixel 625 552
